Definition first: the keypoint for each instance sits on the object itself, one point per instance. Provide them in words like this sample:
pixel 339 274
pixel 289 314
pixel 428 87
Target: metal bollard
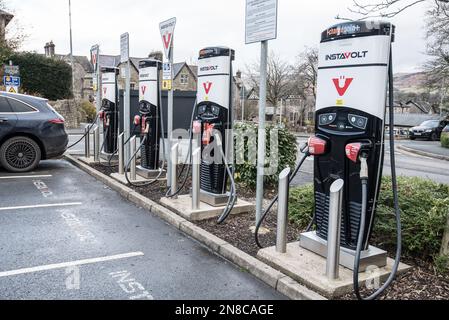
pixel 133 173
pixel 174 169
pixel 87 143
pixel 196 179
pixel 121 154
pixel 334 232
pixel 97 140
pixel 284 189
pixel 96 145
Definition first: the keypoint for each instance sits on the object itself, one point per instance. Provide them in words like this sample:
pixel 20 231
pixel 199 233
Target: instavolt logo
pixel 347 55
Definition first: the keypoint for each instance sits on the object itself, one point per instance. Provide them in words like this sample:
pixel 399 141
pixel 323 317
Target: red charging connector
pixel 353 151
pixel 137 120
pixel 317 146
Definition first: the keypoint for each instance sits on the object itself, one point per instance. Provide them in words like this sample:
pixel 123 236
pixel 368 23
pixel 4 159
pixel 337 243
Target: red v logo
pixel 342 90
pixel 144 89
pixel 207 86
pixel 167 40
pixel 105 90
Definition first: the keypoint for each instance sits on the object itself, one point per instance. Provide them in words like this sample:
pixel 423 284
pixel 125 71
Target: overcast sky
pixel 201 23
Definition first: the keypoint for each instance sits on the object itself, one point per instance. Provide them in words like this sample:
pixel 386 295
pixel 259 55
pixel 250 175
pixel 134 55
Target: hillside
pixel 410 82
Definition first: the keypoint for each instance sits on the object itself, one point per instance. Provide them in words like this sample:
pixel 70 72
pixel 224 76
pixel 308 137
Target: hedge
pixel 283 157
pixel 424 210
pixel 45 77
pixel 445 140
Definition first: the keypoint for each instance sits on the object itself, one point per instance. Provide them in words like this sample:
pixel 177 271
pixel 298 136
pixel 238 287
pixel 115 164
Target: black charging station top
pixel 217 52
pixel 149 63
pixel 358 29
pixel 110 70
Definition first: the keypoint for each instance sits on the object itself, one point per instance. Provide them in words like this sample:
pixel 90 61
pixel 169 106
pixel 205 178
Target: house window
pixel 184 79
pixel 133 86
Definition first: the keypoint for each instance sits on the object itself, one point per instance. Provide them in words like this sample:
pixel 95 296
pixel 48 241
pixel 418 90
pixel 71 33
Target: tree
pixel 13 37
pixel 157 55
pixel 279 84
pixel 46 77
pixel 438 49
pixel 306 72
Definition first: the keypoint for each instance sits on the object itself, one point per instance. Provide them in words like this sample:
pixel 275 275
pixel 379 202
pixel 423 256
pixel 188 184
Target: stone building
pixel 83 72
pixel 5 19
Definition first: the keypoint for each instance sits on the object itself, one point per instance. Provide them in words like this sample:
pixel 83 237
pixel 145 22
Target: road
pixel 407 164
pixel 64 235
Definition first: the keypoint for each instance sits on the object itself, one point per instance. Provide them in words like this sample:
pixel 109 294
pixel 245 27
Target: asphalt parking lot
pixel 63 235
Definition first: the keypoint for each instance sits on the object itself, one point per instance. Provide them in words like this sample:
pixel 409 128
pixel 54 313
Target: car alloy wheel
pixel 20 154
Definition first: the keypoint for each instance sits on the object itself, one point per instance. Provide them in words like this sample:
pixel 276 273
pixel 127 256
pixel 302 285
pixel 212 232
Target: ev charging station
pixel 212 124
pixel 110 110
pixel 350 119
pixel 355 71
pixel 214 116
pixel 150 120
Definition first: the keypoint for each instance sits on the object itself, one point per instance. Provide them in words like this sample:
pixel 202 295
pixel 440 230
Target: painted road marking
pixel 26 177
pixel 43 188
pixel 65 265
pixel 77 227
pixel 130 286
pixel 42 206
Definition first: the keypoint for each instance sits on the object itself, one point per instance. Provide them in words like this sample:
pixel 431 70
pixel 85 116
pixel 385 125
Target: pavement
pixel 407 164
pixel 428 147
pixel 64 235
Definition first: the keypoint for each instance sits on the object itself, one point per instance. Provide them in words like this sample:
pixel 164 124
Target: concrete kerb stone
pixel 423 153
pixel 292 289
pixel 254 266
pixel 214 243
pixel 259 269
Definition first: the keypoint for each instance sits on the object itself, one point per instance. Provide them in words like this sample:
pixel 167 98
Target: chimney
pixel 50 49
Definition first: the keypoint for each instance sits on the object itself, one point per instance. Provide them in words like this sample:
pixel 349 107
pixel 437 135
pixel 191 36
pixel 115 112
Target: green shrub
pixel 89 110
pixel 246 172
pixel 442 264
pixel 44 77
pixel 445 140
pixel 424 209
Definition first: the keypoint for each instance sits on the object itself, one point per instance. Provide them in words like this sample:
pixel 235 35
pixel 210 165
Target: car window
pixel 430 124
pixel 4 105
pixel 20 107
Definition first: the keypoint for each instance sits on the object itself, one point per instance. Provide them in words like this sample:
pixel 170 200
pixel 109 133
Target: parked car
pixel 430 129
pixel 30 131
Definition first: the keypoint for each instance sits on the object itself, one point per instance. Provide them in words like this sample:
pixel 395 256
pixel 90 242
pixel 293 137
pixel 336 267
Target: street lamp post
pixel 71 49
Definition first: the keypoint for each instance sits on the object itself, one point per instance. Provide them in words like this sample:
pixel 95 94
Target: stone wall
pixel 69 110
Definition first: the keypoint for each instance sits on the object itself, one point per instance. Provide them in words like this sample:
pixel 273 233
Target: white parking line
pixel 26 177
pixel 69 264
pixel 42 206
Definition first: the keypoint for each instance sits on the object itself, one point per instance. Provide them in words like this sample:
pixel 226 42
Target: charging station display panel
pixel 148 82
pixel 214 74
pixel 109 84
pixel 352 83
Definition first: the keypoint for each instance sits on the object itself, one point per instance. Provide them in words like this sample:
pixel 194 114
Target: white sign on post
pixel 124 47
pixel 167 29
pixel 167 71
pixel 261 20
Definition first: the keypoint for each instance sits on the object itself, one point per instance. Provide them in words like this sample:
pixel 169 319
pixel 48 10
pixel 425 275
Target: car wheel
pixel 20 154
pixel 412 138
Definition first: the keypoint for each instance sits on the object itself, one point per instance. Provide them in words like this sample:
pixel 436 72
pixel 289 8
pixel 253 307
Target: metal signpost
pixel 95 59
pixel 124 58
pixel 167 29
pixel 261 26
